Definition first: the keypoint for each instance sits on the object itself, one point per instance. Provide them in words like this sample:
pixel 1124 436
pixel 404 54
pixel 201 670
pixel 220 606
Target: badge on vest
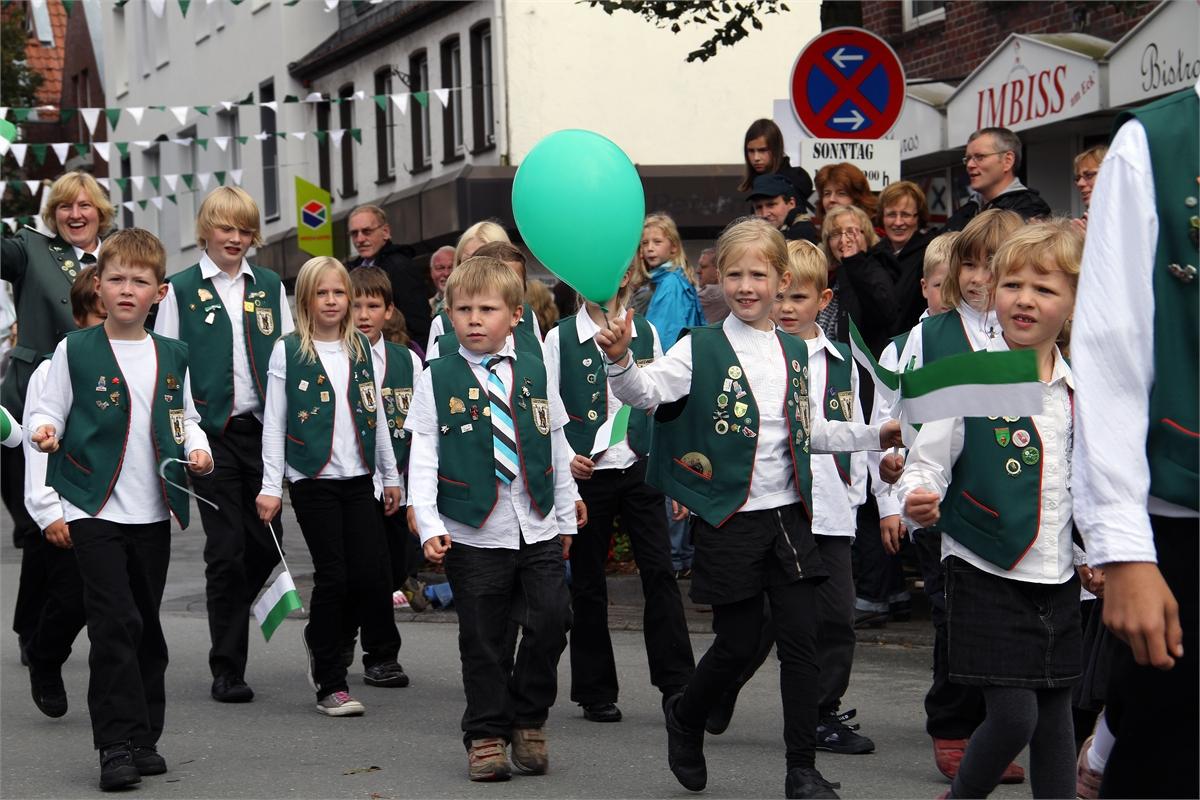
pixel 403 400
pixel 176 415
pixel 846 401
pixel 204 294
pixel 541 415
pixel 172 382
pixel 1002 436
pixel 472 393
pixel 1021 438
pixel 367 392
pixel 698 463
pixel 265 320
pixel 457 406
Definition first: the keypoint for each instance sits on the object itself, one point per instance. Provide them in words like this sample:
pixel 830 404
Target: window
pixel 324 165
pixel 922 12
pixel 483 114
pixel 385 126
pixel 346 122
pixel 231 125
pixel 452 115
pixel 145 52
pixel 127 193
pixel 189 164
pixel 418 71
pixel 41 23
pixel 152 166
pixel 120 63
pixel 270 152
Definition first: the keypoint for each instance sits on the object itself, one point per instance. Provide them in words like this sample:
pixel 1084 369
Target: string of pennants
pixel 159 7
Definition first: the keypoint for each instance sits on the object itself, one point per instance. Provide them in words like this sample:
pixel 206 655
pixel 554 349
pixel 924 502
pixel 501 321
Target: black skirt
pixel 751 551
pixel 1005 632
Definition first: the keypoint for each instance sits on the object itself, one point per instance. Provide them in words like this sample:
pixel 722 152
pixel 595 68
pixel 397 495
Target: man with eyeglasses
pixel 991 159
pixel 372 238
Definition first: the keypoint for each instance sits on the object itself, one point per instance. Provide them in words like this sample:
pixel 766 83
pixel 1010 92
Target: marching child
pixel 323 430
pixel 611 475
pixel 999 491
pixel 494 500
pixel 62 616
pixel 733 446
pixel 117 400
pixel 234 312
pixel 476 236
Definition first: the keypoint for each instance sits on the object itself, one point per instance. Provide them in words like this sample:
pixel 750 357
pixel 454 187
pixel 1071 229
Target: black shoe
pixel 231 689
pixel 870 619
pixel 845 718
pixel 685 751
pixel 148 761
pixel 834 736
pixel 721 714
pixel 117 769
pixel 49 694
pixel 601 712
pixel 388 674
pixel 807 782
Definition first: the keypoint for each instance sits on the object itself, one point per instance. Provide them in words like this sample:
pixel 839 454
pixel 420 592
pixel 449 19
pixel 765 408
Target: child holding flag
pixel 610 442
pixel 999 489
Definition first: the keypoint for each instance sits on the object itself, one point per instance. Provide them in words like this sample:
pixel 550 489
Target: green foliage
pixel 18 88
pixel 729 21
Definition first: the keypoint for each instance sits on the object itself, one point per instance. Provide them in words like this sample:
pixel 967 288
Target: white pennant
pixel 157 6
pixel 102 149
pixel 137 112
pixel 314 97
pixel 225 104
pixel 443 95
pixel 299 135
pixel 330 5
pixel 18 151
pixel 158 202
pixel 105 183
pixel 204 178
pixel 91 116
pixel 60 149
pixel 236 176
pixel 183 142
pixel 262 136
pixel 138 181
pixel 4 147
pixel 10 223
pixel 359 95
pixel 4 111
pixel 180 113
pixel 142 143
pixel 172 181
pixel 271 104
pixel 336 135
pixel 35 186
pixel 221 141
pixel 401 102
pixel 129 205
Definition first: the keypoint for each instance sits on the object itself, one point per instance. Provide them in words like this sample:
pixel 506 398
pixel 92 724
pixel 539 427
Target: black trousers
pixel 610 493
pixel 381 639
pixel 877 574
pixel 340 523
pixel 12 492
pixel 124 570
pixel 952 710
pixel 63 615
pixel 496 590
pixel 31 588
pixel 1144 699
pixel 239 555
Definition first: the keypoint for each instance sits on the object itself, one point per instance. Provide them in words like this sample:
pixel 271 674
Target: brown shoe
pixel 529 751
pixel 486 760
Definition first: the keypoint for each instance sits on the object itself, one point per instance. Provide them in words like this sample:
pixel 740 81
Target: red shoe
pixel 1014 773
pixel 947 754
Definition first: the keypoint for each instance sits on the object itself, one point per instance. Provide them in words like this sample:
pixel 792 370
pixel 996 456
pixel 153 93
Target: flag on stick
pixel 276 603
pixel 886 382
pixel 982 384
pixel 613 431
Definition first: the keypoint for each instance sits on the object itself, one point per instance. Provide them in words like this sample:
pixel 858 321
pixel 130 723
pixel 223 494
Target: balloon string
pixel 162 469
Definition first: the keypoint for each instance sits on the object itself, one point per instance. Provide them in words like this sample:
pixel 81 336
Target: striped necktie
pixel 504 435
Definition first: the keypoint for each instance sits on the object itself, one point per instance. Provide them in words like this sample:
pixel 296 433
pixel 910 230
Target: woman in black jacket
pixel 863 287
pixel 903 214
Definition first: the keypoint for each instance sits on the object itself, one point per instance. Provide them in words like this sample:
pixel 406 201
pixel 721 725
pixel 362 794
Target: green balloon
pixel 578 202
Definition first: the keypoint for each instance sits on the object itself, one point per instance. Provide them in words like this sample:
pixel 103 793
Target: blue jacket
pixel 674 304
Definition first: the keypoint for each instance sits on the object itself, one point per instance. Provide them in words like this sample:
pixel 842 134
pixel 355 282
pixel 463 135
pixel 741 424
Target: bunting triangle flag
pixel 225 104
pixel 35 186
pixel 158 202
pixel 180 113
pixel 299 135
pixel 271 104
pixel 156 182
pixel 102 149
pixel 401 102
pixel 137 112
pixel 202 109
pixel 183 7
pixel 220 176
pixel 380 100
pixel 157 6
pixel 39 153
pixel 142 143
pixel 80 148
pixel 113 114
pixel 91 118
pixel 336 136
pixel 123 148
pixel 190 181
pixel 128 205
pixel 205 178
pixel 313 97
pixel 222 142
pixel 18 151
pixel 60 150
pixel 172 181
pixel 357 134
pixel 422 98
pixel 105 183
pixel 443 95
pixel 236 176
pixel 139 181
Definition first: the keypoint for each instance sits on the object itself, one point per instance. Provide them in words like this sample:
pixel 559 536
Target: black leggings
pixel 1015 717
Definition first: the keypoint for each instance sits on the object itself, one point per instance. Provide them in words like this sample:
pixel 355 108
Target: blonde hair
pixel 752 233
pixel 937 253
pixel 66 188
pixel 134 247
pixel 807 264
pixel 542 302
pixel 861 218
pixel 1096 154
pixel 667 225
pixel 481 275
pixel 1048 245
pixel 306 293
pixel 228 205
pixel 485 231
pixel 982 236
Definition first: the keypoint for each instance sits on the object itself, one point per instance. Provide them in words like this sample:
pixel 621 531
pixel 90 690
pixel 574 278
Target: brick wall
pixel 950 49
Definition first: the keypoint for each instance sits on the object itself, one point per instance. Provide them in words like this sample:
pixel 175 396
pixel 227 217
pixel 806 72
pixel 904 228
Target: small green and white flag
pixel 887 383
pixel 10 429
pixel 276 603
pixel 982 384
pixel 613 431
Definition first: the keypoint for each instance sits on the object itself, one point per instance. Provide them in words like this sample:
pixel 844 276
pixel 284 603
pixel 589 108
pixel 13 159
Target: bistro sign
pixel 1160 55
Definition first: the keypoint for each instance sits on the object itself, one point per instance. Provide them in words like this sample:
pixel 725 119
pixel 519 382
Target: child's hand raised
pixel 435 548
pixel 614 340
pixel 923 507
pixel 45 438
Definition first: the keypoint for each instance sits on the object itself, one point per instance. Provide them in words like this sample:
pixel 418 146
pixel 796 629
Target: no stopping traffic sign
pixel 847 84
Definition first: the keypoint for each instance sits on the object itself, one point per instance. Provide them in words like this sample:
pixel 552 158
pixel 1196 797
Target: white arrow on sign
pixel 841 56
pixel 857 119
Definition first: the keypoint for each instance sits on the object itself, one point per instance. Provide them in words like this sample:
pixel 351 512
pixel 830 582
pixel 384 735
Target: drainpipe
pixel 500 76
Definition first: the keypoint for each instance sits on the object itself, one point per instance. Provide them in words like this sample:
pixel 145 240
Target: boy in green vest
pixel 610 442
pixel 734 431
pixel 493 497
pixel 234 311
pixel 117 415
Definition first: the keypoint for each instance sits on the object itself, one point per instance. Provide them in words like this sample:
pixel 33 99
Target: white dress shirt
pixel 835 505
pixel 979 328
pixel 436 329
pixel 232 292
pixel 620 455
pixel 379 360
pixel 764 366
pixel 931 465
pixel 41 501
pixel 345 458
pixel 513 519
pixel 137 496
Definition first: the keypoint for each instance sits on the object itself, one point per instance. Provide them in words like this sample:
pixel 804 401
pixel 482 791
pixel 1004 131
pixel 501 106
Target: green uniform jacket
pixel 395 392
pixel 525 339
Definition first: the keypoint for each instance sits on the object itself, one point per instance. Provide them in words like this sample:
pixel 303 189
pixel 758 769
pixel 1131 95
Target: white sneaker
pixel 340 704
pixel 399 600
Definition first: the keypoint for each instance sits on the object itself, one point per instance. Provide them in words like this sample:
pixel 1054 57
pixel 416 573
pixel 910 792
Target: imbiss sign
pixel 1027 82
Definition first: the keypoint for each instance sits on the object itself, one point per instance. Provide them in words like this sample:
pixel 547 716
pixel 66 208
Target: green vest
pixel 994 501
pixel 86 466
pixel 705 442
pixel 310 408
pixel 212 375
pixel 1173 440
pixel 396 393
pixel 583 386
pixel 943 335
pixel 467 490
pixel 838 399
pixel 525 338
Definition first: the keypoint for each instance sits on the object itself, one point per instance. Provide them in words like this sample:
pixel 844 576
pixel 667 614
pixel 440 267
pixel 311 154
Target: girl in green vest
pixel 734 432
pixel 319 431
pixel 999 488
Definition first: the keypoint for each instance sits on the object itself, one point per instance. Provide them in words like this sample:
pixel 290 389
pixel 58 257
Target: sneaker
pixel 601 712
pixel 49 694
pixel 486 760
pixel 340 704
pixel 529 751
pixel 685 751
pixel 834 736
pixel 231 689
pixel 807 782
pixel 848 715
pixel 117 769
pixel 1087 780
pixel 148 760
pixel 400 599
pixel 948 754
pixel 388 674
pixel 870 618
pixel 308 659
pixel 414 590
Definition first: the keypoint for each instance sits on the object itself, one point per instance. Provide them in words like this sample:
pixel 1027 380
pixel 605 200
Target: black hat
pixel 772 185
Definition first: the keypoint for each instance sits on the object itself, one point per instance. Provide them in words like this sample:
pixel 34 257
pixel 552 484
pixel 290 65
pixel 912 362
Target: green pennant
pixel 321 136
pixel 123 183
pixel 291 98
pixel 290 2
pixel 159 108
pixel 39 152
pixel 236 2
pixel 381 101
pixel 171 197
pixel 123 149
pixel 280 134
pixel 81 149
pixel 112 114
pixel 220 176
pixel 422 98
pixel 202 142
pixel 155 181
pixel 65 115
pixel 248 100
pixel 183 6
pixel 69 5
pixel 357 134
pixel 243 139
pixel 203 109
pixel 142 204
pixel 189 180
pixel 21 114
